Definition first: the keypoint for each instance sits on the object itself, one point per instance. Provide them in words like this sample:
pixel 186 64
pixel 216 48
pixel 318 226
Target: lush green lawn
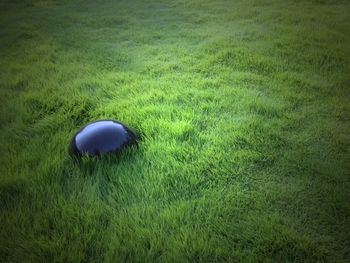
pixel 244 110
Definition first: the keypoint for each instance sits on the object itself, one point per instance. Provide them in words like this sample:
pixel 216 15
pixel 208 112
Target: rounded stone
pixel 99 137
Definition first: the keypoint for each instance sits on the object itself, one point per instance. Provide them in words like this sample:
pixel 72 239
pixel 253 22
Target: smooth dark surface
pixel 99 137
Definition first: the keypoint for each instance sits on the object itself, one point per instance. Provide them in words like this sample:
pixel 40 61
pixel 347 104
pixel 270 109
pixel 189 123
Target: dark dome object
pixel 104 136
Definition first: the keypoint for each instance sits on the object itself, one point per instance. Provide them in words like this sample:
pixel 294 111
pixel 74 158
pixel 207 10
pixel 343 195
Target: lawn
pixel 243 108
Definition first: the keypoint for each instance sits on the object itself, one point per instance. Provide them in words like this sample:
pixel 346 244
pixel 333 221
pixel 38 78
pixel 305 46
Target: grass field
pixel 245 116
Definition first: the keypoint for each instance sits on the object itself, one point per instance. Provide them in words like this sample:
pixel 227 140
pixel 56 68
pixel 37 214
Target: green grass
pixel 245 115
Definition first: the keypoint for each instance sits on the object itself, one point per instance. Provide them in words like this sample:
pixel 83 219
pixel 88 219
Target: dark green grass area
pixel 245 115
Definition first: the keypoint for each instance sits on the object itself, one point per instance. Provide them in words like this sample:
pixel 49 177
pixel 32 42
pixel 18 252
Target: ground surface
pixel 244 111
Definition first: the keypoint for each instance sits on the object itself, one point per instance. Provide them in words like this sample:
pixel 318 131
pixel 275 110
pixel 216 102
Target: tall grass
pixel 244 111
